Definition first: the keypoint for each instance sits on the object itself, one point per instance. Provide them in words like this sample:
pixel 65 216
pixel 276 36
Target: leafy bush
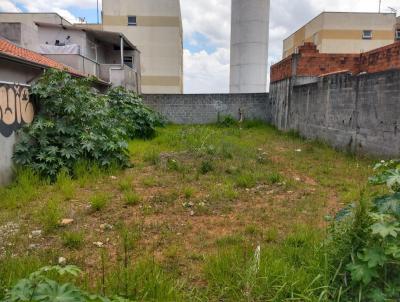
pixel 75 123
pixel 130 114
pixel 366 244
pixel 206 166
pixel 39 287
pixel 227 121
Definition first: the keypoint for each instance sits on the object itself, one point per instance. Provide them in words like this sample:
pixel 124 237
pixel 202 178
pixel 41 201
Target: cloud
pixel 8 6
pixel 66 15
pixel 206 73
pixel 210 18
pixel 62 7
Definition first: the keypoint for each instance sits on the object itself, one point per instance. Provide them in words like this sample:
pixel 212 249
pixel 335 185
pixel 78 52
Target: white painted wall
pixel 249 46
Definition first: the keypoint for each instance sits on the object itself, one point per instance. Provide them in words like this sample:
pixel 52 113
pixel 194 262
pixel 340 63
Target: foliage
pixel 130 114
pixel 227 121
pixel 367 243
pixel 206 166
pixel 38 287
pixel 75 123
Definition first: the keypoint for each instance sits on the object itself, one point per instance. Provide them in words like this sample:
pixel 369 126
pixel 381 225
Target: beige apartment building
pixel 345 32
pixel 155 26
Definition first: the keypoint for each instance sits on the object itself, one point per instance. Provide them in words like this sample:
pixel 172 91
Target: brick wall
pixel 309 62
pixel 381 59
pixel 282 70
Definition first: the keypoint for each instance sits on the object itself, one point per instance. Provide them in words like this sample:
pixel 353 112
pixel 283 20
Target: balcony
pixel 120 75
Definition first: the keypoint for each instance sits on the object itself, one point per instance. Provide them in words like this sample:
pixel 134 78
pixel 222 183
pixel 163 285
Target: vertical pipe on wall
pixel 122 51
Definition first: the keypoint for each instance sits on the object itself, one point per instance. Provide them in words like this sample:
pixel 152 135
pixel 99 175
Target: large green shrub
pixel 76 123
pixel 130 114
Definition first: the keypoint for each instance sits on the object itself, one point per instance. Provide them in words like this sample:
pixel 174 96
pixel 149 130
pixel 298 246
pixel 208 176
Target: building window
pixel 367 34
pixel 398 34
pixel 128 61
pixel 132 21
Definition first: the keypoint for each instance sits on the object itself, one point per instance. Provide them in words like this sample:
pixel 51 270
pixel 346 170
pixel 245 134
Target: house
pixel 109 56
pixel 156 28
pixel 345 32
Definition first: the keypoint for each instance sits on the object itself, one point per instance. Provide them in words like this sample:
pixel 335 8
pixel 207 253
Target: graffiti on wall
pixel 16 108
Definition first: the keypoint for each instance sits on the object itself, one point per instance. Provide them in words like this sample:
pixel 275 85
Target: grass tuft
pixel 73 240
pixel 131 198
pixel 65 185
pixel 206 167
pixel 99 201
pixel 50 215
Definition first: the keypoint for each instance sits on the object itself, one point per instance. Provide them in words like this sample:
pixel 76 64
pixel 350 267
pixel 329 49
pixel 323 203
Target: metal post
pixel 122 52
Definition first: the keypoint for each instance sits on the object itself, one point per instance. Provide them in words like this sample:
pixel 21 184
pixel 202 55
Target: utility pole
pixel 380 4
pixel 98 11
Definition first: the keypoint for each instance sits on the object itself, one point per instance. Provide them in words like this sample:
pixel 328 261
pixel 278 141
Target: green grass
pixel 49 215
pixel 13 269
pixel 65 185
pixel 144 281
pixel 188 192
pixel 99 201
pixel 246 180
pixel 73 240
pixel 189 215
pixel 153 157
pixel 132 198
pixel 125 184
pixel 206 166
pixel 288 272
pixel 26 188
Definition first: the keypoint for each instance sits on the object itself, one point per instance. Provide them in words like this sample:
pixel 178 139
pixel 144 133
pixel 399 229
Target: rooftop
pixel 336 12
pixel 62 19
pixel 100 35
pixel 12 51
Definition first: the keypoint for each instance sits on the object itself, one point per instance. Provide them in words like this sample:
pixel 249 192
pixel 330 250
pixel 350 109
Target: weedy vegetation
pixel 226 212
pixel 99 201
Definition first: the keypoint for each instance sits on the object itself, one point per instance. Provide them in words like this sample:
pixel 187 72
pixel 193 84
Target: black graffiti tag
pixel 16 108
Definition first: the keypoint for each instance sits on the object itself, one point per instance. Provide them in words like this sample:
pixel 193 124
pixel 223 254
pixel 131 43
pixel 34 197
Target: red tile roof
pixel 12 50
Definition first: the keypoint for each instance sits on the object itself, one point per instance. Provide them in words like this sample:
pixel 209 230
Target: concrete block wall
pixel 354 113
pixel 205 108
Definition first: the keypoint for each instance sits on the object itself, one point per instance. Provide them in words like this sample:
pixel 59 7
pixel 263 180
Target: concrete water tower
pixel 249 46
